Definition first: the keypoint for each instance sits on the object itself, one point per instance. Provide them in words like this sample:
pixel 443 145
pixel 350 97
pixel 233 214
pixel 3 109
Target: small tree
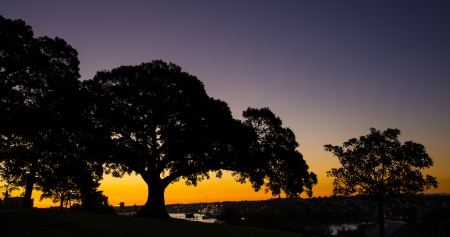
pixel 68 178
pixel 93 200
pixel 378 165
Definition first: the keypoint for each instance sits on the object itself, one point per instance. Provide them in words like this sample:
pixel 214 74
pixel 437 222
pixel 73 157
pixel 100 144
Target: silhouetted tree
pixel 15 36
pixel 8 170
pixel 68 178
pixel 378 165
pixel 38 89
pixel 164 127
pixel 93 200
pixel 231 216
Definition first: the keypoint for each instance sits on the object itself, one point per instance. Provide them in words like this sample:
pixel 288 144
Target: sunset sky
pixel 329 69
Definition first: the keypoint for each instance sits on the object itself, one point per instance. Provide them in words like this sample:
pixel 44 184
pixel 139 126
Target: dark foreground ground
pixel 45 222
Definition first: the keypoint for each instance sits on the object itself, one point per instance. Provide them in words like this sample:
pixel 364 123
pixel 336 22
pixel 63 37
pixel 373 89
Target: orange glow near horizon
pixel 133 190
pixel 212 190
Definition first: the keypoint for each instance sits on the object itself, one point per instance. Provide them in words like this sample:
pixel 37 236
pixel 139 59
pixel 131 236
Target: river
pixel 347 225
pixel 200 217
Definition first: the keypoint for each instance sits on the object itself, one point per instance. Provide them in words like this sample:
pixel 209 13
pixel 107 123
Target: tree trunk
pixel 31 178
pixel 381 216
pixel 155 206
pixel 61 203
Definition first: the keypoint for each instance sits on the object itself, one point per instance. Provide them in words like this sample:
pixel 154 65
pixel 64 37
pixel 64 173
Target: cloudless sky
pixel 329 69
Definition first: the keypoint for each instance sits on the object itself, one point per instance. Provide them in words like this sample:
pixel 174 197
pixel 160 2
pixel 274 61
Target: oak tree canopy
pixel 164 127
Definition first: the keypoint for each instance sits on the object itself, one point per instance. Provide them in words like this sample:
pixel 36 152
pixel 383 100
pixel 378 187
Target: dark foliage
pixel 437 215
pixel 163 126
pixel 93 201
pixel 43 126
pixel 378 165
pixel 231 216
pixel 67 180
pixel 152 119
pixel 276 158
pixel 444 229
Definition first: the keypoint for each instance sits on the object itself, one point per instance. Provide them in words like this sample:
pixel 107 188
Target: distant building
pixel 120 208
pixel 16 201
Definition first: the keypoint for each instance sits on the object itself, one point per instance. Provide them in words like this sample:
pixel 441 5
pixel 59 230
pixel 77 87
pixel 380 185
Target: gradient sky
pixel 329 69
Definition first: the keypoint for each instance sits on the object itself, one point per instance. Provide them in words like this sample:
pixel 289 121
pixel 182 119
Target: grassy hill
pixel 46 222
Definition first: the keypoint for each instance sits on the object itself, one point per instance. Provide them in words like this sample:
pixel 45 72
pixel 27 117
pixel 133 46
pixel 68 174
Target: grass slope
pixel 45 222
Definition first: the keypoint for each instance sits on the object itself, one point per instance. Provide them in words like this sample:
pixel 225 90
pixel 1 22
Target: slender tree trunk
pixel 31 178
pixel 61 203
pixel 155 206
pixel 381 216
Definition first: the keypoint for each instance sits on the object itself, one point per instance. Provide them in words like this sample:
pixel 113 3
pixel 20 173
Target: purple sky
pixel 329 69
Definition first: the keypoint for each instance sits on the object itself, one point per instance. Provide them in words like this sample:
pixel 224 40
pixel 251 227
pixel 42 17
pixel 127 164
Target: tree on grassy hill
pixel 378 165
pixel 163 126
pixel 39 89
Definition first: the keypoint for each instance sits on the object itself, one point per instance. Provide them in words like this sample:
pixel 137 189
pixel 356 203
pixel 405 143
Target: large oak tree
pixel 164 127
pixel 379 165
